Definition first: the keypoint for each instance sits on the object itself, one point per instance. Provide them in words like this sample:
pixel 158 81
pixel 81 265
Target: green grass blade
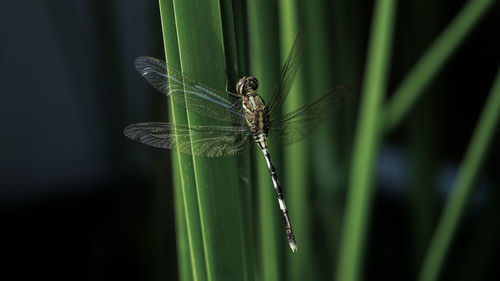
pixel 366 143
pixel 235 54
pixel 463 185
pixel 231 51
pixel 263 20
pixel 432 61
pixel 200 37
pixel 191 261
pixel 209 187
pixel 241 34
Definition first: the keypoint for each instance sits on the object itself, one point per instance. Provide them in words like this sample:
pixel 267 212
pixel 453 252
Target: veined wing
pixel 183 90
pixel 294 126
pixel 287 75
pixel 207 141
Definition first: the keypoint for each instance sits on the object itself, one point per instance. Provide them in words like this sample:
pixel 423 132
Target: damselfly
pixel 246 111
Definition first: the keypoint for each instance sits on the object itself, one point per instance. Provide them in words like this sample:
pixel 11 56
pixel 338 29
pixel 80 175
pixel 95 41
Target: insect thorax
pixel 256 114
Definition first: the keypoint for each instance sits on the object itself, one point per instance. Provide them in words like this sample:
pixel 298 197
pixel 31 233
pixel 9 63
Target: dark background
pixel 79 201
pixel 77 198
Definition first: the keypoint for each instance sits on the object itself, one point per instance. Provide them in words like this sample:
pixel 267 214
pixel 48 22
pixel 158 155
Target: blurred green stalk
pixel 265 65
pixel 295 174
pixel 432 61
pixel 366 144
pixel 463 186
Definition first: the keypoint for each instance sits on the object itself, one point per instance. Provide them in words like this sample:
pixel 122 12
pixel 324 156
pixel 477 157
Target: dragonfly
pixel 245 110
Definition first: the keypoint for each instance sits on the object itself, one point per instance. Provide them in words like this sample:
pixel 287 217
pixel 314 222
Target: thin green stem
pixel 263 21
pixel 432 61
pixel 463 186
pixel 366 143
pixel 295 158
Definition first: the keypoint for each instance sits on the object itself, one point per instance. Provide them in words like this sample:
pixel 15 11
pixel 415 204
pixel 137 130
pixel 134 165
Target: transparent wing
pixel 183 90
pixel 287 75
pixel 207 141
pixel 294 126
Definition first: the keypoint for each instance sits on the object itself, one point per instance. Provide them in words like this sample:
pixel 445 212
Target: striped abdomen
pixel 258 121
pixel 281 201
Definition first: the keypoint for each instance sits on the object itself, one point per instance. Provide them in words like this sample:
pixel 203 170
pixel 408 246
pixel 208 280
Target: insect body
pixel 255 110
pixel 257 118
pixel 265 124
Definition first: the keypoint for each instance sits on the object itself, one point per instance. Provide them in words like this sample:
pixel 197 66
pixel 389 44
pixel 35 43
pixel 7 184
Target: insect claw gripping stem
pixel 228 79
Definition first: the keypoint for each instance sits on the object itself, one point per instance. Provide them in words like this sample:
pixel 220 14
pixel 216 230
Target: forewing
pixel 296 125
pixel 287 75
pixel 206 141
pixel 183 90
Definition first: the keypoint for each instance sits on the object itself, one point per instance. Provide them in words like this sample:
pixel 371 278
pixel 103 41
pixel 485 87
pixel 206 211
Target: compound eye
pixel 253 83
